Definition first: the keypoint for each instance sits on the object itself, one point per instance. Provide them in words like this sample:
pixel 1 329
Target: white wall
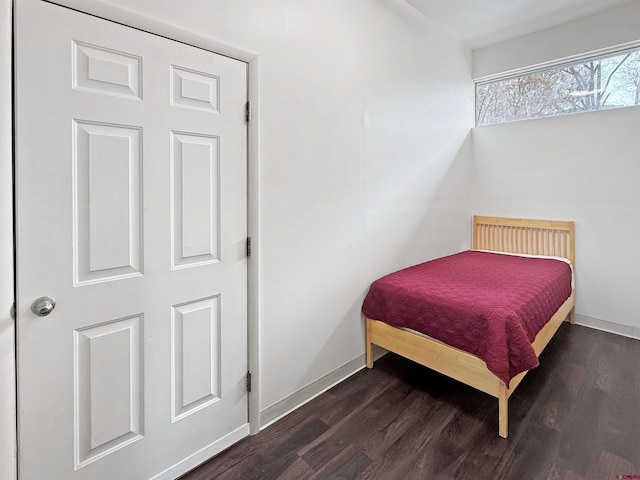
pixel 582 167
pixel 365 111
pixel 617 26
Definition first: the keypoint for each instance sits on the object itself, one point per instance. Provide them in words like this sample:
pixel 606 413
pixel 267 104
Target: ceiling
pixel 477 23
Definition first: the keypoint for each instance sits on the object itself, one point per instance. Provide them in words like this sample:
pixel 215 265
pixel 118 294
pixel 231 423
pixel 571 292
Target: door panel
pixel 195 183
pixel 101 70
pixel 196 356
pixel 108 362
pixel 107 162
pixel 131 213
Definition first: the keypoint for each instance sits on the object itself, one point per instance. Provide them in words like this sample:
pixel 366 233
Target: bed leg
pixel 503 411
pixel 572 315
pixel 369 345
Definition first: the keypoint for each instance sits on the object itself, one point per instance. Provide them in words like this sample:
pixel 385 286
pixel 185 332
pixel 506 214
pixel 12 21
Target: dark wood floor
pixel 577 416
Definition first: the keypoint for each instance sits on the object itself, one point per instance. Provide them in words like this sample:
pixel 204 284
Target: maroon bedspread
pixel 487 304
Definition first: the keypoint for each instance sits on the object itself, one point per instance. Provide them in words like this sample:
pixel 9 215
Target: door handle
pixel 43 306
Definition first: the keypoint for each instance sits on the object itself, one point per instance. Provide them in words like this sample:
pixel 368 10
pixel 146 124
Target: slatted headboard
pixel 520 235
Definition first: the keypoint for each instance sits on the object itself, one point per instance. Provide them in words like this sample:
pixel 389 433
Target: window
pixel 597 83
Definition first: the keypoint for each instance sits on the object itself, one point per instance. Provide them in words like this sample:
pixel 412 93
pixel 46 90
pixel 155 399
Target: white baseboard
pixel 598 324
pixel 275 412
pixel 290 403
pixel 298 398
pixel 204 454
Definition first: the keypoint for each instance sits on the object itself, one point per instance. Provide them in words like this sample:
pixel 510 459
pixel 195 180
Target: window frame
pixel 547 66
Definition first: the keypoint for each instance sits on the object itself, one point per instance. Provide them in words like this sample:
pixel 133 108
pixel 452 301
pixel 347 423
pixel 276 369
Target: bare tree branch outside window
pixel 594 84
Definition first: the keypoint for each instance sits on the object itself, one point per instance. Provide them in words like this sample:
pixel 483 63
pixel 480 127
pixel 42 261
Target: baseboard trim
pixel 204 454
pixel 605 326
pixel 276 411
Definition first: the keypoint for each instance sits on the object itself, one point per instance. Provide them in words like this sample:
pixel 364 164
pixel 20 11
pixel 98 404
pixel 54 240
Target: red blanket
pixel 487 304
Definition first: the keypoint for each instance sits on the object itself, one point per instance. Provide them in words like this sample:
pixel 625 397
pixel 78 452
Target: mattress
pixel 487 304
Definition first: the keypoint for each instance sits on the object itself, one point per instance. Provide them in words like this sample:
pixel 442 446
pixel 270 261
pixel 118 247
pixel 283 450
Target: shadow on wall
pixel 581 167
pixel 427 216
pixel 440 224
pixel 434 217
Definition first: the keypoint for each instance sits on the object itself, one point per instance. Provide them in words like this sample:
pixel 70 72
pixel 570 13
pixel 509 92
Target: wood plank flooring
pixel 575 417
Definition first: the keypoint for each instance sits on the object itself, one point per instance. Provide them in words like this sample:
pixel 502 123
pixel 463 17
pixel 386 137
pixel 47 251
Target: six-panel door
pixel 131 214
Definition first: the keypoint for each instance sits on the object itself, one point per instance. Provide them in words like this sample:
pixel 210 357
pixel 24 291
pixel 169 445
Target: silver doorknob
pixel 43 306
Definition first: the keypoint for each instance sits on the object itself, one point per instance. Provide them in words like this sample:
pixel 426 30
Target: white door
pixel 131 214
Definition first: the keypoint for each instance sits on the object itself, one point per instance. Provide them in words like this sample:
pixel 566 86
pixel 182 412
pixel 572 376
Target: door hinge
pixel 248 111
pixel 13 311
pixel 249 382
pixel 248 246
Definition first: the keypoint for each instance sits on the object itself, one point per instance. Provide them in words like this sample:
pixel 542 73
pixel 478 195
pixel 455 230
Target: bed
pixel 494 240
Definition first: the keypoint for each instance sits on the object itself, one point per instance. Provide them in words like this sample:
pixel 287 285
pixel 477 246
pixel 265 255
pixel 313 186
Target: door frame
pixel 8 433
pixel 8 422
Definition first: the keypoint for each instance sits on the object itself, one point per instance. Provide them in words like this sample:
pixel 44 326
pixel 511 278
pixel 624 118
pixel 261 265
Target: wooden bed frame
pixel 511 235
